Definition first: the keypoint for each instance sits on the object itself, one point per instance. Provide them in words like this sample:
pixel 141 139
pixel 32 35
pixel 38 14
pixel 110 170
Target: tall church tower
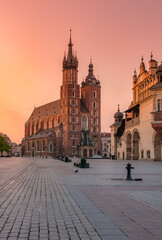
pixel 70 103
pixel 91 98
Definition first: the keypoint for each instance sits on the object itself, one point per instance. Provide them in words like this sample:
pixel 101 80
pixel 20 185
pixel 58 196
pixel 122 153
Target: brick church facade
pixel 71 125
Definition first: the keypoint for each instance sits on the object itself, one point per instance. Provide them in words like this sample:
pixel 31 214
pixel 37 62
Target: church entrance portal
pixel 129 146
pixel 157 148
pixel 135 145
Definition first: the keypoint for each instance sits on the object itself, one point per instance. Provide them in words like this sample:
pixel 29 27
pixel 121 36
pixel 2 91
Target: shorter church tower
pixel 91 98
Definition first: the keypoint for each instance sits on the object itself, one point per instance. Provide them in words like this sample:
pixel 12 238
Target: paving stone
pixel 46 197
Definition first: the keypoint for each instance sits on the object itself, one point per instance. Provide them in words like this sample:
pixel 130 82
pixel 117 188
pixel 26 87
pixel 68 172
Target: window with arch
pixel 73 110
pixel 94 94
pixel 51 147
pixel 73 94
pixel 73 119
pixel 28 146
pixel 43 145
pixel 58 119
pixel 159 105
pixel 94 104
pixel 73 102
pixel 160 78
pixel 84 122
pixel 37 145
pixel 73 85
pixel 73 77
pixel 94 113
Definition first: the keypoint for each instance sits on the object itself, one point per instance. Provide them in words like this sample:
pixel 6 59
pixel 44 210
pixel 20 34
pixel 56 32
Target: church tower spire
pixel 70 61
pixel 70 102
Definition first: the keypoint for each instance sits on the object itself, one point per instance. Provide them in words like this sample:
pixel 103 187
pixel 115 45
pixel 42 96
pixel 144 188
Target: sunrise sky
pixel 34 35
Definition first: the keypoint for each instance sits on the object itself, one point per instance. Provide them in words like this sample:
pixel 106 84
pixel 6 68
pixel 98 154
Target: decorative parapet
pixel 134 121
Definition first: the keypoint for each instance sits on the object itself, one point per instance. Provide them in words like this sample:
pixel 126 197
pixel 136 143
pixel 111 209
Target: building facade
pixel 138 135
pixel 71 125
pixel 106 145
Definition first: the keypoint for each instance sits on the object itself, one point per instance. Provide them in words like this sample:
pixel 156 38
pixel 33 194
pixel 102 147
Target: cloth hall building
pixel 71 125
pixel 139 134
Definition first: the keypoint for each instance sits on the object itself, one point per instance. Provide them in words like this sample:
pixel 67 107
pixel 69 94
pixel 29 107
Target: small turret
pixel 91 79
pixel 152 65
pixel 118 115
pixel 142 67
pixel 135 77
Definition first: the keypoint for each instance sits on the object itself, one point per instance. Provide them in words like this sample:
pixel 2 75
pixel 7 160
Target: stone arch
pixel 90 152
pixel 136 138
pixel 157 148
pixel 128 145
pixel 84 122
pixel 85 153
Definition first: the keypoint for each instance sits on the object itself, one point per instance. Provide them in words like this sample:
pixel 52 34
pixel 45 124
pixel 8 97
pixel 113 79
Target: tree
pixel 4 146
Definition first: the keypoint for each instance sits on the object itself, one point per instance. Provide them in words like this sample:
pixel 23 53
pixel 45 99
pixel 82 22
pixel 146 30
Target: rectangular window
pixel 159 105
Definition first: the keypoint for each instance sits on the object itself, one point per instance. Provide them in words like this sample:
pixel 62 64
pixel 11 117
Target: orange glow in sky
pixel 35 33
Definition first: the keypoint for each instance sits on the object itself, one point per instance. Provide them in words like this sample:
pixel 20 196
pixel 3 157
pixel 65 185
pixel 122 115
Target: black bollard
pixel 129 167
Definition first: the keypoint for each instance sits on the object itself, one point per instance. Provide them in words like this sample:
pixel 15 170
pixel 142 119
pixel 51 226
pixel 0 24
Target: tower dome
pixel 118 115
pixel 91 79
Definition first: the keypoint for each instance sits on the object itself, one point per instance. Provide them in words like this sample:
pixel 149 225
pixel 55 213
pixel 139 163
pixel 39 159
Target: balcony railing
pixel 132 122
pixel 157 116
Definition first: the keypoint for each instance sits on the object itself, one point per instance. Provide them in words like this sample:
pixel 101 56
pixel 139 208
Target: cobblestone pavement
pixel 46 199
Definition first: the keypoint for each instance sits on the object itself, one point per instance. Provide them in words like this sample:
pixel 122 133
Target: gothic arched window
pixel 51 147
pixel 84 122
pixel 37 145
pixel 43 146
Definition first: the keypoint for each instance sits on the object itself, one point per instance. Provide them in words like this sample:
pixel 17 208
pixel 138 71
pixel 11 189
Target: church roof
pixel 83 108
pixel 105 134
pixel 42 134
pixel 47 110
